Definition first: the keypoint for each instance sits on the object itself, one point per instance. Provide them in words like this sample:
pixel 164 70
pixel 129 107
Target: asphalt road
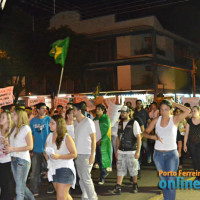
pixel 147 187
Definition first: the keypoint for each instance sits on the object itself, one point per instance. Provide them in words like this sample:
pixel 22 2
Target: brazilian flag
pixel 59 51
pixel 105 128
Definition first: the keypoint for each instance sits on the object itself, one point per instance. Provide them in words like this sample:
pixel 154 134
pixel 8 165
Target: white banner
pixel 132 100
pixel 32 102
pixel 60 101
pixel 193 101
pixel 6 96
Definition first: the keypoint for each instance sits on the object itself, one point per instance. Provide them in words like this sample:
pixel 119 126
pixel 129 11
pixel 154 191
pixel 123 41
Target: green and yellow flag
pixel 105 127
pixel 59 51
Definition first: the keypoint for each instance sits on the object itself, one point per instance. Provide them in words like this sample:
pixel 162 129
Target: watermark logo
pixel 176 180
pixel 179 183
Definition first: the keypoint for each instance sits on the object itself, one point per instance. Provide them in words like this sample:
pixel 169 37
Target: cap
pixel 124 109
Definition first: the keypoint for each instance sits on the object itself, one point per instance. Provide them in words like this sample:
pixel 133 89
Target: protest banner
pixel 99 100
pixel 6 96
pixel 60 101
pixel 110 99
pixel 78 98
pixel 113 113
pixel 89 103
pixel 132 100
pixel 32 102
pixel 193 101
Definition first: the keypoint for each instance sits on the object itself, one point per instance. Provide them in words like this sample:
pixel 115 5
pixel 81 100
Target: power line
pixel 88 12
pixel 128 5
pixel 133 10
pixel 116 5
pixel 125 8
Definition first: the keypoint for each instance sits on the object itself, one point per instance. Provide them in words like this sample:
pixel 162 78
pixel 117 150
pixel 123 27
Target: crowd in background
pixel 66 143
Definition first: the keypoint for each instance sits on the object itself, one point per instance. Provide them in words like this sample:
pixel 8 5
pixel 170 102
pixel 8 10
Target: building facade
pixel 137 54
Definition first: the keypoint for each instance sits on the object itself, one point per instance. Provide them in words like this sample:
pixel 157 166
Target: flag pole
pixel 61 75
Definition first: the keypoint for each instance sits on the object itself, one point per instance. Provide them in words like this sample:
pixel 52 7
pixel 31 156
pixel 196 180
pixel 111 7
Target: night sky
pixel 178 16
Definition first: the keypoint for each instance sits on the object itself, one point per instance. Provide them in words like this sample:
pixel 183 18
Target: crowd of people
pixel 66 143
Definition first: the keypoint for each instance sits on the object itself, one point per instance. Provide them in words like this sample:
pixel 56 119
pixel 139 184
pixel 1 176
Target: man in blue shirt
pixel 40 130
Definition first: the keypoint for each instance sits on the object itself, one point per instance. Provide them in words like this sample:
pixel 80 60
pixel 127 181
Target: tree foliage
pixel 27 51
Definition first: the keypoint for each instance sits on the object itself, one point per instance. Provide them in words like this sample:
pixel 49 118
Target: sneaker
pixel 149 161
pixel 35 194
pixel 117 190
pixel 135 188
pixel 109 169
pixel 51 189
pixel 101 182
pixel 96 166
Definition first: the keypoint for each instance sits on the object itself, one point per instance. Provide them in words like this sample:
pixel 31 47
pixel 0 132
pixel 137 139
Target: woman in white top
pixel 69 117
pixel 6 180
pixel 166 156
pixel 60 152
pixel 20 143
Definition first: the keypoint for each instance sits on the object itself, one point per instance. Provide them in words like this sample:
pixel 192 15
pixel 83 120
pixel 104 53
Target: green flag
pixel 105 127
pixel 59 51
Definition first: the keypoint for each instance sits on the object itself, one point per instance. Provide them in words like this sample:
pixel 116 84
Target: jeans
pixel 37 161
pixel 7 183
pixel 195 153
pixel 167 161
pixel 146 147
pixel 20 169
pixel 84 172
pixel 113 142
pixel 103 171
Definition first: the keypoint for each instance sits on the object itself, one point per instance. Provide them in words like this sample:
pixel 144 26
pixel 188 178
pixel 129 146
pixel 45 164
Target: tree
pixel 27 52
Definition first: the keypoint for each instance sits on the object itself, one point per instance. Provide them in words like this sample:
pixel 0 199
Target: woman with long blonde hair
pixel 20 143
pixel 60 152
pixel 6 180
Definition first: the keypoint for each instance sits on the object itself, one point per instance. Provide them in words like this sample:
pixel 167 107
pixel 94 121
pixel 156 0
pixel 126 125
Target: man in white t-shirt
pixel 128 149
pixel 85 140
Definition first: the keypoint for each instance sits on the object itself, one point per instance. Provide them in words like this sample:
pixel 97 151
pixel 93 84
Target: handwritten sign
pixel 108 100
pixel 60 101
pixel 32 102
pixel 193 101
pixel 99 100
pixel 90 105
pixel 132 100
pixel 6 96
pixel 78 98
pixel 113 113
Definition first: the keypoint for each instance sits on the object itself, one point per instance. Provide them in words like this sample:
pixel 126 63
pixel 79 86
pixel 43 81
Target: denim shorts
pixel 63 175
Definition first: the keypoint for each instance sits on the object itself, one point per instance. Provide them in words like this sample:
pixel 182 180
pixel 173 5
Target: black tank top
pixel 194 132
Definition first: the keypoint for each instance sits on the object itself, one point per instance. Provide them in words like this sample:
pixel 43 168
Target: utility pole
pixel 193 73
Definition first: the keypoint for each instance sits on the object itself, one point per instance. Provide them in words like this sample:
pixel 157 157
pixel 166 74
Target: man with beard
pixel 128 149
